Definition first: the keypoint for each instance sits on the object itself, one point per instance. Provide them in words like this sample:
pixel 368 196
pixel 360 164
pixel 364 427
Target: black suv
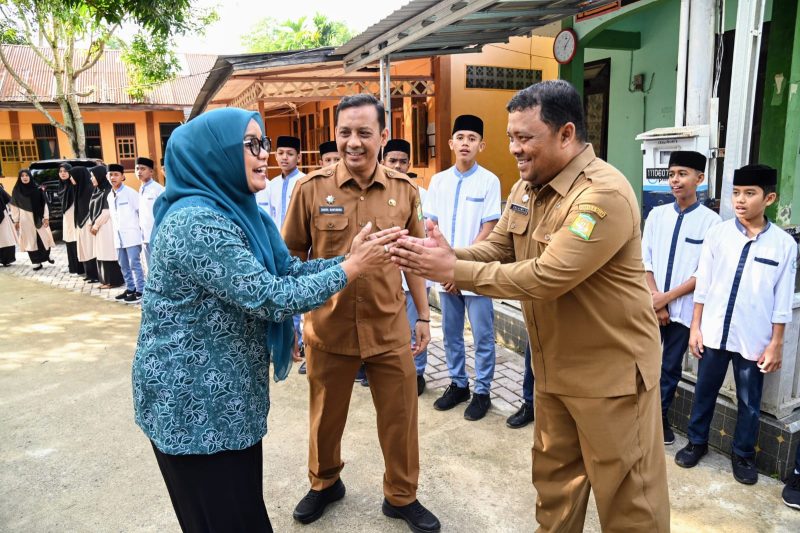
pixel 45 174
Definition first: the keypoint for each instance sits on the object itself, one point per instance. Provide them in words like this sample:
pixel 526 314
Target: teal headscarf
pixel 205 167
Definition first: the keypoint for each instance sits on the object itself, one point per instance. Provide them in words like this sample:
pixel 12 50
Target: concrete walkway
pixel 73 460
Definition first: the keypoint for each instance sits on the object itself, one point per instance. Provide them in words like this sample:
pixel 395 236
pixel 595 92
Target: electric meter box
pixel 657 145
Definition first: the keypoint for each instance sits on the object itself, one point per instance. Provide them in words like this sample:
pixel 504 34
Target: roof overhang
pixel 440 27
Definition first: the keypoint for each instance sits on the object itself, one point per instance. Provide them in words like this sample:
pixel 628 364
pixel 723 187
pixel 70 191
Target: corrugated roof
pixel 425 28
pixel 107 79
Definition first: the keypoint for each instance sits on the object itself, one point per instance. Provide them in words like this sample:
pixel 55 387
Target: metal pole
pixel 386 90
pixel 700 63
pixel 749 19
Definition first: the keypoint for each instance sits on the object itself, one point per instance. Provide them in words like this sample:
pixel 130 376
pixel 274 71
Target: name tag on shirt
pixel 331 210
pixel 123 203
pixel 521 209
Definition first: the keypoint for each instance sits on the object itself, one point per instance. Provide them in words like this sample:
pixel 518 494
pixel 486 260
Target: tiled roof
pixel 107 79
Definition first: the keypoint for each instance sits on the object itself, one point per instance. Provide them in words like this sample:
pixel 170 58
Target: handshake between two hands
pixel 431 258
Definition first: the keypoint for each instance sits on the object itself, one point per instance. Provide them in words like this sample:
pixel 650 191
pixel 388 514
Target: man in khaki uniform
pixel 364 322
pixel 569 247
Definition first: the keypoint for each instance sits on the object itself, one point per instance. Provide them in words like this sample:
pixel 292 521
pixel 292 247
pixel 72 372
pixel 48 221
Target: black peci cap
pixel 468 123
pixel 755 175
pixel 689 159
pixel 285 141
pixel 397 145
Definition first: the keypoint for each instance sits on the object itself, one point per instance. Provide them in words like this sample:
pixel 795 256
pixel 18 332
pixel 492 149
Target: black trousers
pixel 110 273
pixel 41 254
pixel 217 493
pixel 75 266
pixel 90 268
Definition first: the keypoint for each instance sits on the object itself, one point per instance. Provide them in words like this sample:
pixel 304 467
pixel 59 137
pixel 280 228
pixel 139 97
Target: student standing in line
pixel 83 198
pixel 671 244
pixel 8 237
pixel 123 205
pixel 464 201
pixel 31 216
pixel 148 192
pixel 397 156
pixel 103 231
pixel 742 303
pixel 328 153
pixel 69 234
pixel 279 191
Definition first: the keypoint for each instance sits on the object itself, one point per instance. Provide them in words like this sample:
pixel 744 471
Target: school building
pixel 297 94
pixel 118 128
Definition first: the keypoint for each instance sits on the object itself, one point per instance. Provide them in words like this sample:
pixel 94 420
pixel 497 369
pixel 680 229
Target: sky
pixel 237 18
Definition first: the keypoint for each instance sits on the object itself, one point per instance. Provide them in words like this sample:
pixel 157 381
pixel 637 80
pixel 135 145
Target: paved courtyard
pixel 73 460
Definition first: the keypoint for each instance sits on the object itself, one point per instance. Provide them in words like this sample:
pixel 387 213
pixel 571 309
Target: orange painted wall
pixel 489 104
pixel 106 119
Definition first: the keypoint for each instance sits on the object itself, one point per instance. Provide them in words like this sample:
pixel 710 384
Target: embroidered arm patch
pixel 583 225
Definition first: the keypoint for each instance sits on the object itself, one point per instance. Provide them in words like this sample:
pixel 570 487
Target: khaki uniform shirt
pixel 571 251
pixel 328 209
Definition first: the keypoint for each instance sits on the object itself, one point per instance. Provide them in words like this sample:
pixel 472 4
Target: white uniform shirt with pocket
pixel 148 193
pixel 461 202
pixel 671 246
pixel 745 286
pixel 123 205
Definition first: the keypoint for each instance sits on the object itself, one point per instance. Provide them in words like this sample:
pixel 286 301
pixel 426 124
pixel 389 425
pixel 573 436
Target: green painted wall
pixel 631 113
pixel 730 12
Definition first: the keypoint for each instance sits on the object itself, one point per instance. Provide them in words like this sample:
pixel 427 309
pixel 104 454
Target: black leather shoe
pixel 744 469
pixel 37 267
pixel 313 504
pixel 453 395
pixel 522 417
pixel 690 455
pixel 669 435
pixel 420 385
pixel 418 518
pixel 478 407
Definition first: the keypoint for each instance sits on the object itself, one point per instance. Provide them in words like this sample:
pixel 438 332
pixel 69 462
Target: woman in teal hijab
pixel 216 313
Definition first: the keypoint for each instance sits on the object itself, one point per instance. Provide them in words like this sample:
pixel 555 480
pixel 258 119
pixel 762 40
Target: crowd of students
pixel 106 225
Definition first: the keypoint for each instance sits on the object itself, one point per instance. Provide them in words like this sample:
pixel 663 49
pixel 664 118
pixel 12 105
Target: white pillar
pixel 683 47
pixel 386 91
pixel 749 19
pixel 700 63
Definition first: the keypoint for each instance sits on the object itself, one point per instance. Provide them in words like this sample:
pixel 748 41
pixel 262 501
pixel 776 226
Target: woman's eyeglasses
pixel 256 145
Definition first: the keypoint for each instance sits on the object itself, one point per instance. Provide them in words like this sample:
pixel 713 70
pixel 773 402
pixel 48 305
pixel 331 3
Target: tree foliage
pixel 269 35
pixel 70 36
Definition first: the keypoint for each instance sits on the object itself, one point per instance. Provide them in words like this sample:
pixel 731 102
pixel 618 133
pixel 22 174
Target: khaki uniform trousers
pixel 393 384
pixel 613 446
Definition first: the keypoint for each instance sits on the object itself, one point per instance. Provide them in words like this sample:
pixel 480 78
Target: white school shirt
pixel 123 205
pixel 262 199
pixel 428 283
pixel 746 285
pixel 280 193
pixel 148 193
pixel 671 246
pixel 461 202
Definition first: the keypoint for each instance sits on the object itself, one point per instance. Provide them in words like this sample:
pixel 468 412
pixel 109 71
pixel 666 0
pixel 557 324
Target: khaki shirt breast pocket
pixel 331 235
pixel 518 228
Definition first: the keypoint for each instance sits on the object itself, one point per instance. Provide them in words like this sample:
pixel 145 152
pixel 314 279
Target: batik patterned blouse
pixel 200 373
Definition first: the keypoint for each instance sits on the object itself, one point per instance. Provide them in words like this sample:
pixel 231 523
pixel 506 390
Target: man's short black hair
pixel 358 100
pixel 558 101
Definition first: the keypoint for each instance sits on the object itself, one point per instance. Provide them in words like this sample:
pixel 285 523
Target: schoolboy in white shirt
pixel 123 206
pixel 464 201
pixel 287 154
pixel 149 191
pixel 279 193
pixel 328 153
pixel 397 156
pixel 742 303
pixel 671 243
